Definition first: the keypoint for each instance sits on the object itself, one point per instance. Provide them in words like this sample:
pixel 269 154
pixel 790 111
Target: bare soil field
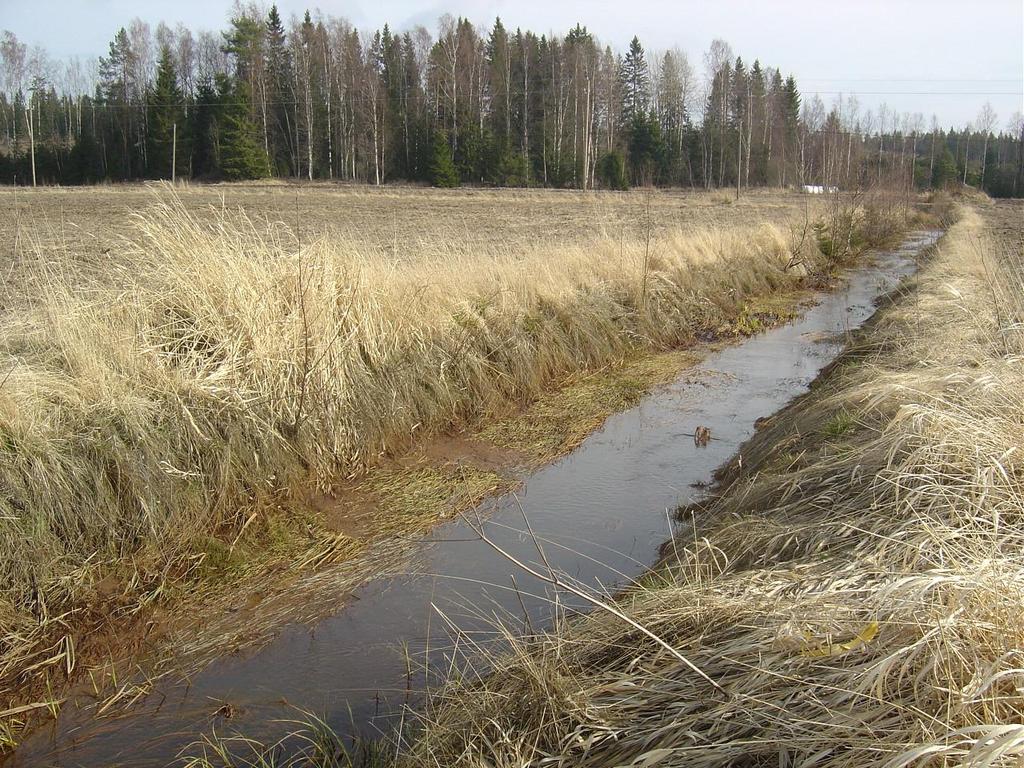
pixel 88 223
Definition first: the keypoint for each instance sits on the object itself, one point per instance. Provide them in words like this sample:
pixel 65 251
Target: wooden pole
pixel 739 158
pixel 32 142
pixel 174 151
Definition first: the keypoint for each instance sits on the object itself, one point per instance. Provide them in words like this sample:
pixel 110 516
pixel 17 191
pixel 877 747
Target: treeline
pixel 316 100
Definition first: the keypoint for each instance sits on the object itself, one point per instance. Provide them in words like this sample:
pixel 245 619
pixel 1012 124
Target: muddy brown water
pixel 601 514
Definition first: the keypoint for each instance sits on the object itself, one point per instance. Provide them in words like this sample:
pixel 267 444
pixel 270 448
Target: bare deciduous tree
pixel 986 122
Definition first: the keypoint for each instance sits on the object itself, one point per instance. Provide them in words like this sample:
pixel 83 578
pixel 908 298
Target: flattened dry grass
pixel 855 589
pixel 217 366
pixel 412 499
pixel 561 420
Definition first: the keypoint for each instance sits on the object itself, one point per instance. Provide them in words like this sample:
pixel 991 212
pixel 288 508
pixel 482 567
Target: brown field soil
pixel 87 224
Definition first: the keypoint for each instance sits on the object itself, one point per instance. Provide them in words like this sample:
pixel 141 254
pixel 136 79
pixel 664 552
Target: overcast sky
pixel 929 56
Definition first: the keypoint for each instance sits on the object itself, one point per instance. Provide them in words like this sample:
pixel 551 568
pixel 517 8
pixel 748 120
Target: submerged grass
pixel 412 499
pixel 853 591
pixel 311 743
pixel 559 421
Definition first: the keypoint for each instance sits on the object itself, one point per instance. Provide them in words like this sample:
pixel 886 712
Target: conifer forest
pixel 471 103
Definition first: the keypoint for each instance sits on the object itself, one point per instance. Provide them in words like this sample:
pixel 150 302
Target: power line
pixel 196 104
pixel 912 79
pixel 854 92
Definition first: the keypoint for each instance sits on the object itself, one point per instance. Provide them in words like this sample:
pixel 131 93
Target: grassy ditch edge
pixel 264 529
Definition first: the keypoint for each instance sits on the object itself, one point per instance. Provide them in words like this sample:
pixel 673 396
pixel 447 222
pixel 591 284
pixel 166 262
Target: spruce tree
pixel 394 118
pixel 790 124
pixel 737 119
pixel 646 149
pixel 791 104
pixel 204 130
pixel 612 171
pixel 442 165
pixel 499 60
pixel 739 94
pixel 85 160
pixel 241 150
pixel 166 112
pixel 414 122
pixel 280 87
pixel 758 91
pixel 944 172
pixel 116 72
pixel 636 83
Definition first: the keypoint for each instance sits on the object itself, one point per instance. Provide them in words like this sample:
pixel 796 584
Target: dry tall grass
pixel 218 363
pixel 856 591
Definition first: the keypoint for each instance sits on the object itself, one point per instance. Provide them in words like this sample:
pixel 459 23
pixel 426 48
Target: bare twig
pixel 556 581
pixel 647 248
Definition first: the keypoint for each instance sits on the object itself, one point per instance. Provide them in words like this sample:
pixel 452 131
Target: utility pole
pixel 174 151
pixel 739 159
pixel 967 151
pixel 32 142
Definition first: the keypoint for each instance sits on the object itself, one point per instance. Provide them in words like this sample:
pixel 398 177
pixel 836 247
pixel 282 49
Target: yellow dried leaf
pixel 827 650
